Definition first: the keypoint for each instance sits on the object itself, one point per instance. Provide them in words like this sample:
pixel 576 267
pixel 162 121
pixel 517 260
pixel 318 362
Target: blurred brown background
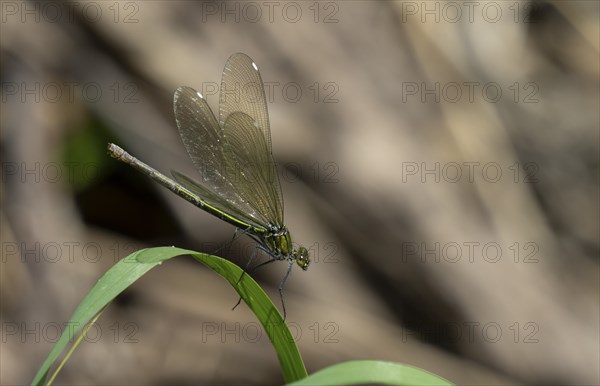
pixel 439 159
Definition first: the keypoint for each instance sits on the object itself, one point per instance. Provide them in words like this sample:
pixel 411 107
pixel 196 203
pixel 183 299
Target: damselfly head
pixel 301 257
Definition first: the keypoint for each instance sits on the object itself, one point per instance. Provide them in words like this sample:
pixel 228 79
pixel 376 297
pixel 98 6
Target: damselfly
pixel 233 154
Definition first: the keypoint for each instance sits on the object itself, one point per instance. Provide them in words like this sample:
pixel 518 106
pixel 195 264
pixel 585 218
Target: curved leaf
pixel 134 266
pixel 369 372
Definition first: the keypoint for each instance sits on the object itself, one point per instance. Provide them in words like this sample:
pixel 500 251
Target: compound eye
pixel 302 258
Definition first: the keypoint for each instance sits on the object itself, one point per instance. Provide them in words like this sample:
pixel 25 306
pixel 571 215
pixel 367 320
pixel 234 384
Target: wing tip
pixel 185 90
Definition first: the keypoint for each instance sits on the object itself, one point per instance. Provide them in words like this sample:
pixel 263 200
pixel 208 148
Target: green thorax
pixel 279 242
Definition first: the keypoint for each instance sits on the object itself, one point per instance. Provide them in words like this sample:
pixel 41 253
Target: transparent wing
pixel 242 90
pixel 247 151
pixel 203 139
pixel 212 199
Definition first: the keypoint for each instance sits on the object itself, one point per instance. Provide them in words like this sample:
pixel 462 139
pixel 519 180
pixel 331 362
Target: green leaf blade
pixel 134 266
pixel 114 281
pixel 369 372
pixel 267 313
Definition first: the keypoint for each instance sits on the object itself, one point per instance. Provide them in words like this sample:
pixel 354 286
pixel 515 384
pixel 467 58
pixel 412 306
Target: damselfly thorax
pixel 279 244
